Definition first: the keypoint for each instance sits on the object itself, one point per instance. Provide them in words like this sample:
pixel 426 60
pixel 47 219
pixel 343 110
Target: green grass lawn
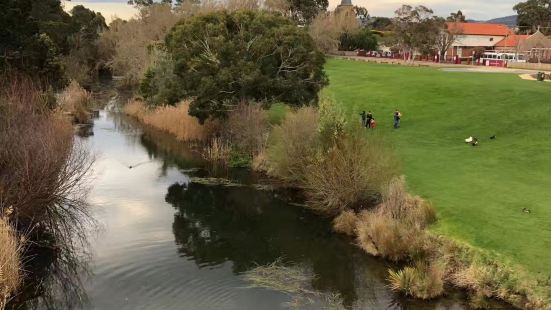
pixel 479 192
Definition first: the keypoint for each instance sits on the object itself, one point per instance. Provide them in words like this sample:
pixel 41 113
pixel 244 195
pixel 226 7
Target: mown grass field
pixel 479 192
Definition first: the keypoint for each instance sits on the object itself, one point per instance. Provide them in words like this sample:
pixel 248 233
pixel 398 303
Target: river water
pixel 165 242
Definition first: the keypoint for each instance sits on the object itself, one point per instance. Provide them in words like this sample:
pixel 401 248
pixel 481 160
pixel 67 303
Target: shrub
pixel 349 173
pixel 294 145
pixel 401 206
pixel 247 127
pixel 10 262
pixel 345 223
pixel 77 101
pixel 267 58
pixel 423 281
pixel 172 119
pixel 381 235
pixel 42 171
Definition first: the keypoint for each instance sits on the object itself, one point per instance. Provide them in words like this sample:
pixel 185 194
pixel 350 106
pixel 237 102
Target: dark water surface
pixel 167 243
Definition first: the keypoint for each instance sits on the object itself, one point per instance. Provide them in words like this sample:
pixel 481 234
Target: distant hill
pixel 510 21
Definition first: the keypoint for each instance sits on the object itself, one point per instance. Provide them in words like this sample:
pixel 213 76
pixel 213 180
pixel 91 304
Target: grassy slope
pixel 479 192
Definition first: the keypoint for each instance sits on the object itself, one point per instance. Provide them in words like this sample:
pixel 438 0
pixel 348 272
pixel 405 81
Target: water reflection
pixel 55 279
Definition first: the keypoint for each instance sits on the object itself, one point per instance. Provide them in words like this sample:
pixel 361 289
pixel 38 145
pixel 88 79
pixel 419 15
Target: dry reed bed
pixel 174 120
pixel 76 101
pixel 10 262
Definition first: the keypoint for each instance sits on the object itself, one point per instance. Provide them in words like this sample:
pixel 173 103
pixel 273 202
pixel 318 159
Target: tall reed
pixel 171 119
pixel 10 262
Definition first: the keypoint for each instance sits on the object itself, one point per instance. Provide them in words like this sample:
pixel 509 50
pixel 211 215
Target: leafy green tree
pixel 417 29
pixel 22 45
pixel 380 23
pixel 53 21
pixel 304 11
pixel 223 58
pixel 456 17
pixel 534 14
pixel 362 39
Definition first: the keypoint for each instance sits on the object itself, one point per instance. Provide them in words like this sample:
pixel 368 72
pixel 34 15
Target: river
pixel 164 241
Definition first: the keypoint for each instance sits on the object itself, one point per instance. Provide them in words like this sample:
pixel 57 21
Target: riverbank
pixel 431 261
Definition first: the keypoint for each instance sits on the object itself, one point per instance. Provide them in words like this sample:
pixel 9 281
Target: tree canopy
pixel 416 28
pixel 533 14
pixel 456 17
pixel 304 11
pixel 223 58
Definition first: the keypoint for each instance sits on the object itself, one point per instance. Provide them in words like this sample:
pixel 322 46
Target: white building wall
pixel 476 40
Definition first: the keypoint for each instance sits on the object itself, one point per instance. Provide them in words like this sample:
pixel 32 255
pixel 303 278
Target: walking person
pixel 363 117
pixel 369 119
pixel 397 118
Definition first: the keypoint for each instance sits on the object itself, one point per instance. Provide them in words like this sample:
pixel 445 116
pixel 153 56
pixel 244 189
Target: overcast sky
pixel 473 9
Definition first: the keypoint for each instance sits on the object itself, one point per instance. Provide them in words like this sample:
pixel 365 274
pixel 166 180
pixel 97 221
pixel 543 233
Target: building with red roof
pixel 511 43
pixel 471 38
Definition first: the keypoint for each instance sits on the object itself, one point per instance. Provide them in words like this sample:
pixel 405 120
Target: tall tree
pixel 380 23
pixel 223 58
pixel 304 11
pixel 363 15
pixel 457 17
pixel 23 46
pixel 416 29
pixel 534 14
pixel 448 36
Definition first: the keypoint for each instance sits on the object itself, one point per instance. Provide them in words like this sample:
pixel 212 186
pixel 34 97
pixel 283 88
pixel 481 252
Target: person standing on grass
pixel 397 118
pixel 364 118
pixel 369 119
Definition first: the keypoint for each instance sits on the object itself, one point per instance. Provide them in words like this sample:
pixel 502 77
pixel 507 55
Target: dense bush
pixel 224 58
pixel 42 170
pixel 349 174
pixel 294 145
pixel 362 39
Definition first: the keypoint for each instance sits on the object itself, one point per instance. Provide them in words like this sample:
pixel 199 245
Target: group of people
pixel 368 121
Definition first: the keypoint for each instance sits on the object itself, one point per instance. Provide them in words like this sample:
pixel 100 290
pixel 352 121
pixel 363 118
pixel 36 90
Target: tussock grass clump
pixel 10 262
pixel 380 235
pixel 349 173
pixel 346 223
pixel 77 101
pixel 294 145
pixel 171 119
pixel 424 280
pixel 396 228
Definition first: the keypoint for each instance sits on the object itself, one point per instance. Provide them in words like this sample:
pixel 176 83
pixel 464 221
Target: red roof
pixel 512 40
pixel 481 29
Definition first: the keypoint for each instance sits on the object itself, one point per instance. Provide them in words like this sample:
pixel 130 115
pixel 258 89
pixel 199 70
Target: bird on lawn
pixel 526 210
pixel 493 137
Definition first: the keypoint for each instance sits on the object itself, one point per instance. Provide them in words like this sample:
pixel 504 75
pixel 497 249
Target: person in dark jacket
pixel 397 118
pixel 363 118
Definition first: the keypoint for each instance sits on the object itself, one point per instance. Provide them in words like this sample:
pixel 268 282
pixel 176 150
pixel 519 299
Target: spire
pixel 346 2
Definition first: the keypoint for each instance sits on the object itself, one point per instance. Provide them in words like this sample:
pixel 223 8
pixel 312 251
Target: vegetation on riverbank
pixel 351 174
pixel 42 172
